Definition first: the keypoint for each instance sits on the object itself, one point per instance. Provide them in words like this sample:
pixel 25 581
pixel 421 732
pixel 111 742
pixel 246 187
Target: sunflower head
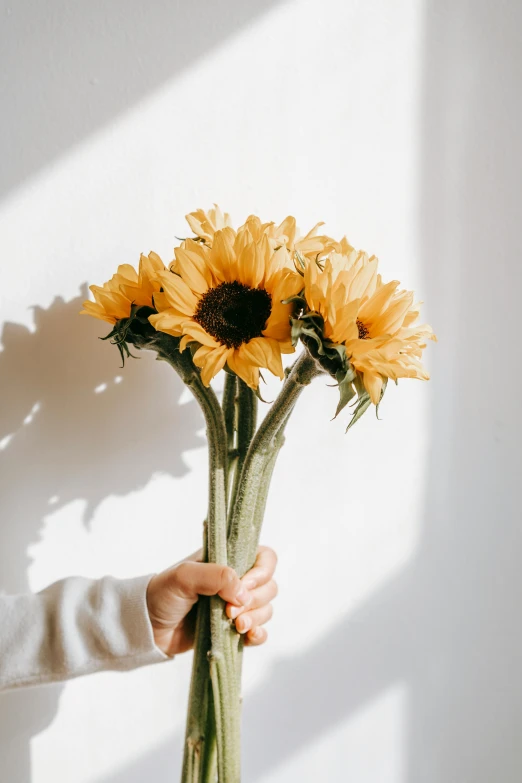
pixel 362 331
pixel 126 302
pixel 224 298
pixel 114 299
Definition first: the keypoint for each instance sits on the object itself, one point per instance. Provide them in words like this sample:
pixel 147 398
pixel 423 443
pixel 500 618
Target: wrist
pixel 161 633
pixel 163 639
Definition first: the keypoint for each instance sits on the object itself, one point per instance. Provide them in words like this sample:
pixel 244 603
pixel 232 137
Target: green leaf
pixel 361 408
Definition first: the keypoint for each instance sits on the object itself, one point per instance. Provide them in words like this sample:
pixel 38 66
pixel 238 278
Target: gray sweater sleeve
pixel 75 626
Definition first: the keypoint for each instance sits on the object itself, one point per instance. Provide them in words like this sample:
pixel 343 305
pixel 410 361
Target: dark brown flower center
pixel 364 332
pixel 233 313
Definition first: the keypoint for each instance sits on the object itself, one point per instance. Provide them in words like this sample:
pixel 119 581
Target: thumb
pixel 190 579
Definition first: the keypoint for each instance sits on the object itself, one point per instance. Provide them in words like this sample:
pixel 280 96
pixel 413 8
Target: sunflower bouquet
pixel 237 300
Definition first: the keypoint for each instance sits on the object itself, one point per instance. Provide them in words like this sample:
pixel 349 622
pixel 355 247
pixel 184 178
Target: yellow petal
pixel 198 334
pixel 244 369
pixel 193 277
pixel 373 385
pixel 199 276
pixel 392 318
pixel 167 321
pixel 374 306
pixel 250 266
pixel 287 231
pixel 363 280
pixel 212 363
pixel 91 308
pixel 161 302
pixel 278 324
pixel 115 304
pixel 223 257
pixel 263 352
pixel 128 272
pixel 178 293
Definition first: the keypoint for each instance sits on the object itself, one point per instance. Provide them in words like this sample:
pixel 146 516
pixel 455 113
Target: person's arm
pixel 79 626
pixel 75 626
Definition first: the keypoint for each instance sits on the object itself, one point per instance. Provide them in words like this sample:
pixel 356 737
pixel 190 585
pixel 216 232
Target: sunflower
pixel 376 322
pixel 227 300
pixel 114 299
pixel 205 224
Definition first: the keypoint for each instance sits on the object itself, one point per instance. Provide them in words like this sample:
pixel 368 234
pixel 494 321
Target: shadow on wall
pixel 449 626
pixel 73 67
pixel 63 441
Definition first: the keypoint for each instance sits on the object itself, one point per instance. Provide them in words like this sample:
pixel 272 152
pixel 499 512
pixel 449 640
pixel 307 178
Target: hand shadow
pixel 72 426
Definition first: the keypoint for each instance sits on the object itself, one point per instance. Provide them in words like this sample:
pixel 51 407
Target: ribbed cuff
pixel 136 623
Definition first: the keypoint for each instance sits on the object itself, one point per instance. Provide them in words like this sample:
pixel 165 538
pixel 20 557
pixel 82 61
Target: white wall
pixel 394 654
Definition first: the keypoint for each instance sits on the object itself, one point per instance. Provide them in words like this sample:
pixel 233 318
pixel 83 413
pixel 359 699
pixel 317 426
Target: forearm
pixel 75 626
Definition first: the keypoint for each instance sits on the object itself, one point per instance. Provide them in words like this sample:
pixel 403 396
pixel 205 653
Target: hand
pixel 173 594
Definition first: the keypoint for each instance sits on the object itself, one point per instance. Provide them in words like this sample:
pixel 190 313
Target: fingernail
pixel 245 623
pixel 242 595
pixel 234 611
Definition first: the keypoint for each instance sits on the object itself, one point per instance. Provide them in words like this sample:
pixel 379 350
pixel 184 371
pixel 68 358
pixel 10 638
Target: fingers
pixel 254 619
pixel 190 579
pixel 257 609
pixel 263 569
pixel 256 636
pixel 260 597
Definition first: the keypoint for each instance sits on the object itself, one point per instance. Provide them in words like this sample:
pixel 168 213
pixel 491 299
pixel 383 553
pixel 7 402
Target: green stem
pixel 225 688
pixel 229 408
pixel 259 513
pixel 197 752
pixel 229 405
pixel 249 509
pixel 264 486
pixel 209 758
pixel 246 516
pixel 221 655
pixel 246 427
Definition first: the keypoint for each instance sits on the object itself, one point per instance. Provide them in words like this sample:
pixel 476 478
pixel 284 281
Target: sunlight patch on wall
pixel 64 546
pixel 6 440
pixel 369 744
pixel 34 410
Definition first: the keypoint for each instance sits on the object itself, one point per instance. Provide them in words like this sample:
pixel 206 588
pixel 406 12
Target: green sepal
pixel 308 324
pixel 299 263
pixel 384 385
pixel 298 300
pixel 193 346
pixel 137 330
pixel 346 388
pixel 363 403
pixel 309 328
pixel 258 395
pixel 194 239
pixel 330 356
